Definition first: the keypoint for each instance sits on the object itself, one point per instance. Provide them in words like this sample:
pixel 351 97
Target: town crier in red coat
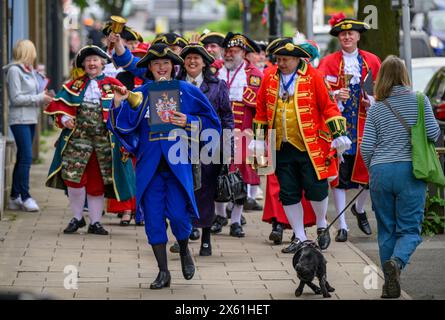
pixel 243 80
pixel 351 72
pixel 295 101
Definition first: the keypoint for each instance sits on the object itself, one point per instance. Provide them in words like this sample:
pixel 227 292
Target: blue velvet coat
pixel 133 131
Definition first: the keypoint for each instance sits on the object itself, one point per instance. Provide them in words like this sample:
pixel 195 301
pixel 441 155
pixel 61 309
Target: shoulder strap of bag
pixel 420 108
pixel 398 116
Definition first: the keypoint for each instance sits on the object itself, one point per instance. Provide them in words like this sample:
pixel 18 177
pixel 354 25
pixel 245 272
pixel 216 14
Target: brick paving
pixel 34 253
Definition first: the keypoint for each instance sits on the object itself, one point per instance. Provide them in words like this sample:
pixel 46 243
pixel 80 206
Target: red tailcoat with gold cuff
pixel 332 67
pixel 315 110
pixel 243 114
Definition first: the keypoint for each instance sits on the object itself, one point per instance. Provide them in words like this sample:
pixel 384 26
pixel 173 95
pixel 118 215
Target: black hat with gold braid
pixel 170 39
pixel 212 37
pixel 339 22
pixel 242 41
pixel 159 51
pixel 286 47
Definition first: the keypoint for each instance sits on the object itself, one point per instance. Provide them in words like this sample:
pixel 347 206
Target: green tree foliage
pixel 111 7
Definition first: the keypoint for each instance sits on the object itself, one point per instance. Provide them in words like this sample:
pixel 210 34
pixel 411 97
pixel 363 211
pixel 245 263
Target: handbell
pixel 117 26
pixel 135 99
pixel 347 78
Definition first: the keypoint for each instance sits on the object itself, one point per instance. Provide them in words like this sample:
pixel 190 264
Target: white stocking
pixel 236 214
pixel 340 203
pixel 95 207
pixel 294 214
pixel 77 201
pixel 253 191
pixel 361 200
pixel 220 209
pixel 321 208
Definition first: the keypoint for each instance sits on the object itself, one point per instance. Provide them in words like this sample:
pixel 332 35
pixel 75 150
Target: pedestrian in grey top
pixel 398 198
pixel 25 101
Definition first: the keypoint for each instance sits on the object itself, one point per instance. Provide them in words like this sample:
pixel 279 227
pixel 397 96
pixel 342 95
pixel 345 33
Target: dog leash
pixel 338 216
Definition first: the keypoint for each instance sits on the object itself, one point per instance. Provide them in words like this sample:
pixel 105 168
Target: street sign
pixel 397 4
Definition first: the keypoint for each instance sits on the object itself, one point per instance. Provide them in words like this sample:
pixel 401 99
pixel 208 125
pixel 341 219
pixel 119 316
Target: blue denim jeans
pixel 23 135
pixel 398 200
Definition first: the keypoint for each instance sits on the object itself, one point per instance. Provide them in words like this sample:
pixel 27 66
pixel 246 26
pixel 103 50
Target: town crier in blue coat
pixel 164 187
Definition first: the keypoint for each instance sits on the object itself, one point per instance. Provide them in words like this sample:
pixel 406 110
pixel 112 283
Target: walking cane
pixel 338 216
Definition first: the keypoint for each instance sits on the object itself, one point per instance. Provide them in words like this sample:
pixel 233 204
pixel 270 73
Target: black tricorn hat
pixel 198 49
pixel 170 39
pixel 212 37
pixel 90 50
pixel 262 45
pixel 159 51
pixel 347 24
pixel 286 47
pixel 127 33
pixel 240 40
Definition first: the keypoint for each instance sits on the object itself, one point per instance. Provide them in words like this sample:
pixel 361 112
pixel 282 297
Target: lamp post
pixel 180 17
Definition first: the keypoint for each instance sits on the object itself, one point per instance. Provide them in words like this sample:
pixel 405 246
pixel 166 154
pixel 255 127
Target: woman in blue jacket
pixel 164 188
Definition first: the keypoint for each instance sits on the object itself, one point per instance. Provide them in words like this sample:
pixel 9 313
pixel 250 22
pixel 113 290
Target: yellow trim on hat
pixel 287 47
pixel 351 22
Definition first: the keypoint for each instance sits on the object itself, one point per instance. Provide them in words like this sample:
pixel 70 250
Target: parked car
pixel 433 23
pixel 435 91
pixel 420 45
pixel 424 69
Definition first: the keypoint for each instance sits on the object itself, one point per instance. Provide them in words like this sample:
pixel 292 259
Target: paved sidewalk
pixel 34 253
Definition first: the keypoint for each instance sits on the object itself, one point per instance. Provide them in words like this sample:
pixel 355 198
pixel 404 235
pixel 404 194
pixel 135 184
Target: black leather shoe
pixel 206 250
pixel 277 233
pixel 97 228
pixel 324 238
pixel 175 247
pixel 236 230
pixel 74 224
pixel 162 280
pixel 293 247
pixel 342 235
pixel 252 204
pixel 218 224
pixel 187 265
pixel 392 279
pixel 243 220
pixel 362 221
pixel 195 235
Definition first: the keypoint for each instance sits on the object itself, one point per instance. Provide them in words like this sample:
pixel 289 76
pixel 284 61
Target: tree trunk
pixel 384 39
pixel 258 31
pixel 301 16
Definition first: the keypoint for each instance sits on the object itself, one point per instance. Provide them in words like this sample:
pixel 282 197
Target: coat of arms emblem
pixel 165 107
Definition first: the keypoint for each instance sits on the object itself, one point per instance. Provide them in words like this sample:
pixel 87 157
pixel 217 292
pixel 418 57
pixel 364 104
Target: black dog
pixel 309 262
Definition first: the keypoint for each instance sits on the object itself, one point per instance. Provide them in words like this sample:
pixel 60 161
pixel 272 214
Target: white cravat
pixel 352 66
pixel 199 79
pixel 92 93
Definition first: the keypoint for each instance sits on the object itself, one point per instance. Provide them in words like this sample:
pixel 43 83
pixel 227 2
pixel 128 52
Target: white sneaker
pixel 15 204
pixel 30 205
pixel 259 194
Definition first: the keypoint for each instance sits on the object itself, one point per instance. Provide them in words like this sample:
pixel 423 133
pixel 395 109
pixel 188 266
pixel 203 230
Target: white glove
pixel 65 118
pixel 257 146
pixel 341 144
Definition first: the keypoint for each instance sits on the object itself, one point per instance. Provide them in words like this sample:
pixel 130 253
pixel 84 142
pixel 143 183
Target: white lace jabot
pixel 352 65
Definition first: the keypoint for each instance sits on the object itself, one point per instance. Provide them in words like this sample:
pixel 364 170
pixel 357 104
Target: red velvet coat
pixel 314 108
pixel 332 67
